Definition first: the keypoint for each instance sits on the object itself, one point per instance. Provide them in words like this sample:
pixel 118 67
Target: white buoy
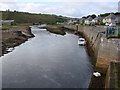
pixel 9 49
pixel 96 74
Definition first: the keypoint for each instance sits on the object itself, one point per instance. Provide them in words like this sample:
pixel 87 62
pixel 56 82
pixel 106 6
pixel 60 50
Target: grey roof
pixel 98 18
pixel 90 18
pixel 111 16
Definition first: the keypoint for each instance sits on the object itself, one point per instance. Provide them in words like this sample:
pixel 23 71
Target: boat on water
pixel 82 41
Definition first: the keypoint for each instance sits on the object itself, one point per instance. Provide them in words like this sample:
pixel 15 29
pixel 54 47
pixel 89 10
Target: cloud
pixel 73 9
pixel 8 1
pixel 23 1
pixel 10 5
pixel 67 0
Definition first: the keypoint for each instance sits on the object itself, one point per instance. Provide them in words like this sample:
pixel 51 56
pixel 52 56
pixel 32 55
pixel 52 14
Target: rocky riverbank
pixel 14 37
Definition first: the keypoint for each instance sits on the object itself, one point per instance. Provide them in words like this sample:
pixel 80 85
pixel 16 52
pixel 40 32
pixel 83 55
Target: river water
pixel 47 61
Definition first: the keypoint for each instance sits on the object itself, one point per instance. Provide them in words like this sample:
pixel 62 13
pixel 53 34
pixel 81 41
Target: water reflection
pixel 47 61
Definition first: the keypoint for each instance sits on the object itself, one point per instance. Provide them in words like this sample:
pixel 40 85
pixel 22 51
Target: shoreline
pixel 96 82
pixel 55 29
pixel 14 37
pixel 19 38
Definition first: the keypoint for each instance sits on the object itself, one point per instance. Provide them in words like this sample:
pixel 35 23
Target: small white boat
pixel 96 74
pixel 82 41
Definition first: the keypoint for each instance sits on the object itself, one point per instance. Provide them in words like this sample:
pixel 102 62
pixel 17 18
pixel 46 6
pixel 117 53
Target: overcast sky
pixel 72 8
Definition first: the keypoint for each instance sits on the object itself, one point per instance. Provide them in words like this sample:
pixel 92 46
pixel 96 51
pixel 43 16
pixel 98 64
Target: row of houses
pixel 108 19
pixel 98 20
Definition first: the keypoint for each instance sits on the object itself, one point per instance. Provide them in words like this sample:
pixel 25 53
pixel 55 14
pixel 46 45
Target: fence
pixel 113 31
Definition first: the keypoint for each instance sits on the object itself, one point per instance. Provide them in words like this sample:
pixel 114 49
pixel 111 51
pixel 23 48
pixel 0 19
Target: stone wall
pixel 105 50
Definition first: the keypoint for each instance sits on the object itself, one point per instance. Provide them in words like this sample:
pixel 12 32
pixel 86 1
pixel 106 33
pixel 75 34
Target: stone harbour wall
pixel 105 50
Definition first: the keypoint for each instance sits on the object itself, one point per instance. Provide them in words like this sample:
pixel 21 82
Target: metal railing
pixel 113 31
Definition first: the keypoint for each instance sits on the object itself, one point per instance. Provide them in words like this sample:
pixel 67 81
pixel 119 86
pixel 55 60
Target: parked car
pixel 82 41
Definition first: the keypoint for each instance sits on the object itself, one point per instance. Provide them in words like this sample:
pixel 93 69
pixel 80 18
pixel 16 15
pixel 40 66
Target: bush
pixel 102 23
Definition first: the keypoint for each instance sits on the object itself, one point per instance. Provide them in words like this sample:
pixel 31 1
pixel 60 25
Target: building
pixel 98 19
pixel 72 21
pixel 82 21
pixel 88 21
pixel 6 22
pixel 109 19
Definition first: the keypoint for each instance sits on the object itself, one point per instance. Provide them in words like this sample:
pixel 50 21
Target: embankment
pixel 102 50
pixel 55 29
pixel 14 37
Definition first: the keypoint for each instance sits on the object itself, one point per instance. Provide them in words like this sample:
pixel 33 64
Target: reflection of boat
pixel 82 41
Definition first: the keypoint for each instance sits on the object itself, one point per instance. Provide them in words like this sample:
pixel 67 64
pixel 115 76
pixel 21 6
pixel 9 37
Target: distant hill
pixel 25 17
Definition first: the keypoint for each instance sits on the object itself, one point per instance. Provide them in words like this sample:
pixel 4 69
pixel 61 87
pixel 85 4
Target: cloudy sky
pixel 72 8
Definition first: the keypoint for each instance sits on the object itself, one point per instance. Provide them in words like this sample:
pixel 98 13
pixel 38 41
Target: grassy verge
pixel 7 27
pixel 4 27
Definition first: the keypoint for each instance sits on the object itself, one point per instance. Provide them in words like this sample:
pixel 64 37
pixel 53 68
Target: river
pixel 47 61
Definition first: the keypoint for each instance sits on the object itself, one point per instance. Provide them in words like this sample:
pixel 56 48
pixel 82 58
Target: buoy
pixel 96 74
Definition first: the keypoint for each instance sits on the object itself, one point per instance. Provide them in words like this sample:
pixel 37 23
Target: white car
pixel 82 41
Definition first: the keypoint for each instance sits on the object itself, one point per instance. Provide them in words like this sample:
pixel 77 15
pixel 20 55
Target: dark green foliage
pixel 106 14
pixel 93 16
pixel 24 17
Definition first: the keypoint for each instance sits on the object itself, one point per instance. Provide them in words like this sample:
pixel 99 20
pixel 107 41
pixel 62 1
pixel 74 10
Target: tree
pixel 93 16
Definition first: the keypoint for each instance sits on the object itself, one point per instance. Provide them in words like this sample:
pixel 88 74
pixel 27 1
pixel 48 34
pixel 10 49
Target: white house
pixel 72 21
pixel 109 19
pixel 88 21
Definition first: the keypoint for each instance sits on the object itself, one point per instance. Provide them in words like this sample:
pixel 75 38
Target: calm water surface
pixel 47 61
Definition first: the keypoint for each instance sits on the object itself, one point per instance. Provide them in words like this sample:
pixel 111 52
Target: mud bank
pixel 14 37
pixel 55 29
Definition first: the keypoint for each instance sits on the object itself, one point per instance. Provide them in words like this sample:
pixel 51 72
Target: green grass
pixel 25 17
pixel 4 27
pixel 7 27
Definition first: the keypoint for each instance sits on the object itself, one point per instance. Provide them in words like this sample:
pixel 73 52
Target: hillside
pixel 25 17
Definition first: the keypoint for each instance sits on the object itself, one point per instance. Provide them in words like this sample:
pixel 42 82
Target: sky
pixel 71 8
